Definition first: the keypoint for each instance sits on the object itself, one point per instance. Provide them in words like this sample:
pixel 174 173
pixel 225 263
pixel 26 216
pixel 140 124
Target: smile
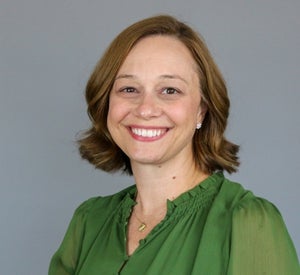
pixel 148 133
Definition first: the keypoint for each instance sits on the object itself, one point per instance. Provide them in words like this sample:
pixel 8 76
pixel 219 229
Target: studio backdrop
pixel 49 48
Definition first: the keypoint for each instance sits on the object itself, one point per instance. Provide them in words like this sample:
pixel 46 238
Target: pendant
pixel 142 227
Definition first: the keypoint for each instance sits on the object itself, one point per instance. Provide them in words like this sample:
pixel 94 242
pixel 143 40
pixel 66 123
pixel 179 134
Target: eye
pixel 170 91
pixel 128 90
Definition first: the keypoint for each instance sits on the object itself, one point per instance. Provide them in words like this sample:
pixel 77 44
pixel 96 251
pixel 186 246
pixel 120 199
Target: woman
pixel 159 109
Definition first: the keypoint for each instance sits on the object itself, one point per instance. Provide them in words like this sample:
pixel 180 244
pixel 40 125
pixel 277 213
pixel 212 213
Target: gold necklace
pixel 142 226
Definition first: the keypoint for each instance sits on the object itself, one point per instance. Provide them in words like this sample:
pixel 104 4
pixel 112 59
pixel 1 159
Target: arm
pixel 260 243
pixel 64 261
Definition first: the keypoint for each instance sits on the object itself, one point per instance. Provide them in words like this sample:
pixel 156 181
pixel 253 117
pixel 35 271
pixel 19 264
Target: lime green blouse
pixel 215 228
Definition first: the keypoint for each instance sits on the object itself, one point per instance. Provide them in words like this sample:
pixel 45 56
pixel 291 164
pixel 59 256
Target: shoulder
pixel 258 217
pixel 103 204
pixel 246 205
pixel 256 209
pixel 231 194
pixel 235 197
pixel 243 207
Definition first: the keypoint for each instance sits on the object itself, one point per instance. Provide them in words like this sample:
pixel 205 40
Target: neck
pixel 158 183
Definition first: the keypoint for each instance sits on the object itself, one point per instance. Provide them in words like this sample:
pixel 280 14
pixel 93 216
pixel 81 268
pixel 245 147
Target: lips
pixel 148 133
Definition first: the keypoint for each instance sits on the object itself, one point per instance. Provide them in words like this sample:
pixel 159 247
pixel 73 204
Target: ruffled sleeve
pixel 65 260
pixel 260 243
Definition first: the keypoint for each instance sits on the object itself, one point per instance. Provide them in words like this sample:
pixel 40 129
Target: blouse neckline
pixel 199 196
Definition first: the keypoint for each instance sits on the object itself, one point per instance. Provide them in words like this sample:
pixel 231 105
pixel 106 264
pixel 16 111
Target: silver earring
pixel 198 126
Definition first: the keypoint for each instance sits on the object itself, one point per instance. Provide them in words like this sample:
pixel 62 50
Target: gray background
pixel 49 48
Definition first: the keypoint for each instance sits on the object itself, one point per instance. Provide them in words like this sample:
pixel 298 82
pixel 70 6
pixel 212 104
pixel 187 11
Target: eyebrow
pixel 125 76
pixel 173 76
pixel 164 76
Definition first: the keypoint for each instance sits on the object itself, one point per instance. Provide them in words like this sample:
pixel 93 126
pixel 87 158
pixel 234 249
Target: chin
pixel 151 160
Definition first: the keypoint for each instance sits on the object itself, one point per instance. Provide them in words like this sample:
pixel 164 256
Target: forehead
pixel 162 52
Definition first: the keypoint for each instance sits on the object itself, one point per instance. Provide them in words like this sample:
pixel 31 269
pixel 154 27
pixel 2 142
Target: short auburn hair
pixel 212 152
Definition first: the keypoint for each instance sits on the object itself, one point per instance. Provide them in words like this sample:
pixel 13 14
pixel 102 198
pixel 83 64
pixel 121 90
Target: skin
pixel 155 104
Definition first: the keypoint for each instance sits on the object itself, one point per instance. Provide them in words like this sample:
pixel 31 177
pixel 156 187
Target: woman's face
pixel 155 102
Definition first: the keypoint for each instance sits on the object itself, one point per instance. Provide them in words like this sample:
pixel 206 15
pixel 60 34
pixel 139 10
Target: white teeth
pixel 146 132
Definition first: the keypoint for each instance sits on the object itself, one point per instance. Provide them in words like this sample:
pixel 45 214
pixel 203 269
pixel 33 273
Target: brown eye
pixel 170 91
pixel 128 90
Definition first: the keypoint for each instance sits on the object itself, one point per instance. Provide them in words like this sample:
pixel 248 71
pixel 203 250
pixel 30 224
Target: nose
pixel 148 107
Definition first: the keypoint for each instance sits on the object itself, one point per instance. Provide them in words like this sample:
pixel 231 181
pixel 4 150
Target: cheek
pixel 112 115
pixel 116 112
pixel 186 112
pixel 113 118
pixel 113 110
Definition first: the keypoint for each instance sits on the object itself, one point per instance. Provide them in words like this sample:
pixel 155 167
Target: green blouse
pixel 215 228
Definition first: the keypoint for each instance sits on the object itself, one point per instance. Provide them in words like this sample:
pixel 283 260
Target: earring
pixel 198 126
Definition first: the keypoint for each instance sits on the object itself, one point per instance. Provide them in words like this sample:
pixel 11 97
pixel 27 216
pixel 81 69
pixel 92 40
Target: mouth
pixel 148 133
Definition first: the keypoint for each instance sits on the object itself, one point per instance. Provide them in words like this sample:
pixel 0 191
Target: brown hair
pixel 210 148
